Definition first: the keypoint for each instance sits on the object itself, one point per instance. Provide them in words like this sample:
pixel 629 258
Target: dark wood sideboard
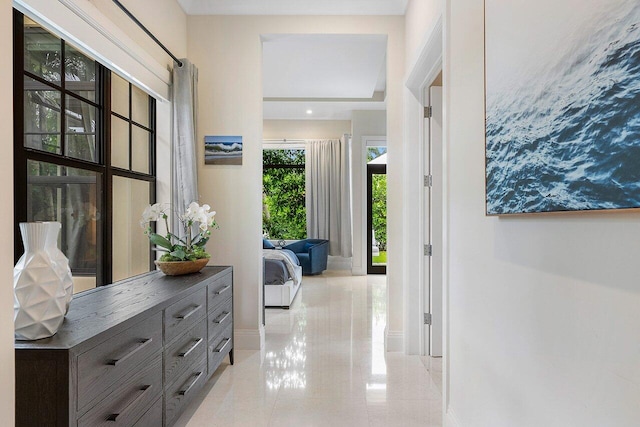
pixel 134 353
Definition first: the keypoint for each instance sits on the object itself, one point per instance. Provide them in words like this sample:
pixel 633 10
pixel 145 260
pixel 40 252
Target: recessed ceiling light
pixel 309 112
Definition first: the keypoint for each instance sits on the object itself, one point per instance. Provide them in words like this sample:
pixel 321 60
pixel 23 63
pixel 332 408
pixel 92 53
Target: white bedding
pixel 283 256
pixel 282 294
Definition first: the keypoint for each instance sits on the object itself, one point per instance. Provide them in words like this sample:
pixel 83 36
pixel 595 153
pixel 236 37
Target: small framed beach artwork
pixel 222 150
pixel 562 105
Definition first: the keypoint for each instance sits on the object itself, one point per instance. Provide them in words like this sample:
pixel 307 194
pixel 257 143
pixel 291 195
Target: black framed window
pixel 65 111
pixel 283 194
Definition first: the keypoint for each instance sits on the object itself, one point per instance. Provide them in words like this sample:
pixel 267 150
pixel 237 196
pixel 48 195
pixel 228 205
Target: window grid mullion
pixel 130 129
pixel 63 102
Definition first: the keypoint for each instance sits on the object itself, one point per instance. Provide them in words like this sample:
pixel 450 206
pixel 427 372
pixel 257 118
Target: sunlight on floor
pixel 323 365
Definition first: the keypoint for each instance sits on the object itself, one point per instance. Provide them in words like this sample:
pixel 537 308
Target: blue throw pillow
pixel 267 244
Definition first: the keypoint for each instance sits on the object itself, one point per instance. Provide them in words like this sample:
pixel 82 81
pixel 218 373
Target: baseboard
pixel 450 419
pixel 263 336
pixel 338 263
pixel 394 341
pixel 358 271
pixel 248 339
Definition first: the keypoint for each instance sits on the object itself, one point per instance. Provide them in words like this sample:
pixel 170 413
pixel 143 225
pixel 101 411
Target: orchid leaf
pixel 158 240
pixel 201 242
pixel 179 253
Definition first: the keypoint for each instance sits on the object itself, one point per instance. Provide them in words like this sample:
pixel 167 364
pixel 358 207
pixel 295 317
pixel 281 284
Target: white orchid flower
pixel 192 213
pixel 152 213
pixel 188 244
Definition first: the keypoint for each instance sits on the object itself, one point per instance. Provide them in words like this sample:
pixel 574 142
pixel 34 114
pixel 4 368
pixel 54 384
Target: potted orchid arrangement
pixel 184 254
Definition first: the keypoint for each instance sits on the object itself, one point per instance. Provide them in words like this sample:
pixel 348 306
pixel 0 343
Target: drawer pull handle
pixel 131 403
pixel 189 313
pixel 138 346
pixel 192 347
pixel 190 386
pixel 219 350
pixel 223 290
pixel 222 318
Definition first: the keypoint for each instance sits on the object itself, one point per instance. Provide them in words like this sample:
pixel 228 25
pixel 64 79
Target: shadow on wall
pixel 589 246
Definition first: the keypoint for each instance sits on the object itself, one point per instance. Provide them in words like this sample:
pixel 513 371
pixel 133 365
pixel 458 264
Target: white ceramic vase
pixel 39 297
pixel 61 262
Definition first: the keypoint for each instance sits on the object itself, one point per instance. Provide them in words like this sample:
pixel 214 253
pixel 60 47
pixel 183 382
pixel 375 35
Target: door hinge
pixel 427 318
pixel 428 250
pixel 428 112
pixel 428 180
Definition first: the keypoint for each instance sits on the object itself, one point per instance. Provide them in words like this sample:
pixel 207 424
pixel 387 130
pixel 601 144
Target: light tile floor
pixel 324 365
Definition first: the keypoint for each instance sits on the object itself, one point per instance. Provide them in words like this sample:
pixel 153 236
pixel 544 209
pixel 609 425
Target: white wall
pixel 7 371
pixel 228 52
pixel 305 129
pixel 363 123
pixel 543 309
pixel 420 17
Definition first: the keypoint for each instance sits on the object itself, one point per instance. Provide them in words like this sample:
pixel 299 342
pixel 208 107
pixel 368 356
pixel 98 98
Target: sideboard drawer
pixel 219 348
pixel 153 417
pixel 103 365
pixel 220 290
pixel 186 387
pixel 186 349
pixel 183 314
pixel 130 401
pixel 220 318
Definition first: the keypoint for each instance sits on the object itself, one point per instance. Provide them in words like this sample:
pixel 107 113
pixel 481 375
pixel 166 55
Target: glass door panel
pixel 376 218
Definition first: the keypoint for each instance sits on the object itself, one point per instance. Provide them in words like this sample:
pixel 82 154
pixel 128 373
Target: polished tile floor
pixel 324 365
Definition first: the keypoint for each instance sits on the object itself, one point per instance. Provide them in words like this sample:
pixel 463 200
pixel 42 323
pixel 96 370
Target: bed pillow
pixel 267 244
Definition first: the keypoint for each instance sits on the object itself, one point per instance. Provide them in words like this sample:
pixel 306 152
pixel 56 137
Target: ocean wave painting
pixel 562 105
pixel 223 150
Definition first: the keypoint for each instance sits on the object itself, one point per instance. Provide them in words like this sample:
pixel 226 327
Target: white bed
pixel 283 277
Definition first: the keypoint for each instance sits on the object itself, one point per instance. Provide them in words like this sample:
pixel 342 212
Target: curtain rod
pixel 149 33
pixel 285 140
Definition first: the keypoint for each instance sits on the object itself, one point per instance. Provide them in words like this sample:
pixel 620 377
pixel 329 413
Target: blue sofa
pixel 312 254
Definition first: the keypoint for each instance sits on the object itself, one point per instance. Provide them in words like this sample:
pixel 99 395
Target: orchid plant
pixel 189 247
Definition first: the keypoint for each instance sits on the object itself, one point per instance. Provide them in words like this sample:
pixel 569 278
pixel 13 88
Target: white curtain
pixel 184 165
pixel 328 193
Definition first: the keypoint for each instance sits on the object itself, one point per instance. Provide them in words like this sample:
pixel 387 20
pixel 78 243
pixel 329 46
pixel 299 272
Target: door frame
pixel 372 169
pixel 433 221
pixel 361 223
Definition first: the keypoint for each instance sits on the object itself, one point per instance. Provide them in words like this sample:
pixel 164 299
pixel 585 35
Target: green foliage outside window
pixel 284 214
pixel 379 209
pixel 379 202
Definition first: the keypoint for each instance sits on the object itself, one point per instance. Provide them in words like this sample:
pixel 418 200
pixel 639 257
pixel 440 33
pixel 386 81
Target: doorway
pixel 376 210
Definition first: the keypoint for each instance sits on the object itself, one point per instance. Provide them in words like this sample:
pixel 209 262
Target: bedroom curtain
pixel 184 177
pixel 328 193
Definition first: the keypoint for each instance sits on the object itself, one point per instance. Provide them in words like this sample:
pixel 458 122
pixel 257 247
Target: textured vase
pixel 39 297
pixel 61 262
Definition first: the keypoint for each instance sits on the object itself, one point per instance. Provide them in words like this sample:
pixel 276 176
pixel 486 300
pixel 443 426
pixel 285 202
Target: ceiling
pixel 329 74
pixel 322 65
pixel 294 7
